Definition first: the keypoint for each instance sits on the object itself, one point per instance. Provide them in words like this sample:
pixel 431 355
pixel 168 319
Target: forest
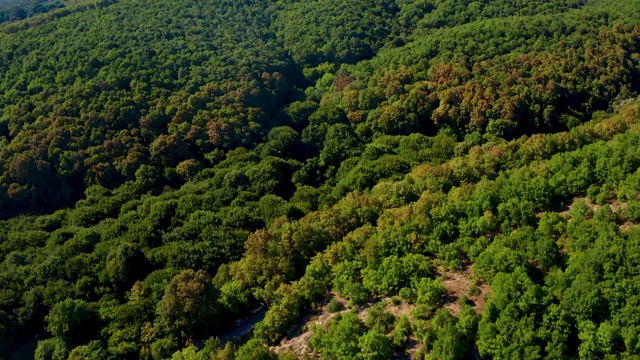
pixel 15 10
pixel 363 179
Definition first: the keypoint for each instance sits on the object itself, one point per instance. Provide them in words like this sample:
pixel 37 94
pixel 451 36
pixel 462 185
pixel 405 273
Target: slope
pixel 167 166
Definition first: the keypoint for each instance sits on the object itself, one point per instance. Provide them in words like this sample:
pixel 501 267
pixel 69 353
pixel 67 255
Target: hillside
pixel 16 10
pixel 460 177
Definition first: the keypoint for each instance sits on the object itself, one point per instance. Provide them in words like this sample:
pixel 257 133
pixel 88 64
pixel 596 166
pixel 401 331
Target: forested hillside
pixel 433 179
pixel 15 10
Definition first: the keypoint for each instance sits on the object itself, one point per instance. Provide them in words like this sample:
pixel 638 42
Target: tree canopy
pixel 169 167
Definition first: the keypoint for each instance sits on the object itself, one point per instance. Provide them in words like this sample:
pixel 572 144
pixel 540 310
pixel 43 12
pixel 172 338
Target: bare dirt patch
pixel 458 284
pixel 615 206
pixel 297 340
pixel 628 226
pixel 403 308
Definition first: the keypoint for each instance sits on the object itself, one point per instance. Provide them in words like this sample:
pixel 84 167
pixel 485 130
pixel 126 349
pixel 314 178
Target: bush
pixel 401 332
pixel 464 300
pixel 53 349
pixel 632 212
pixel 379 318
pixel 357 294
pixel 408 295
pixel 163 348
pixel 334 306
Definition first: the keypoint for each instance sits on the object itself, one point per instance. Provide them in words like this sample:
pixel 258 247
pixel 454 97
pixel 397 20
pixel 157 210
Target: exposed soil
pixel 627 226
pixel 615 206
pixel 297 340
pixel 458 284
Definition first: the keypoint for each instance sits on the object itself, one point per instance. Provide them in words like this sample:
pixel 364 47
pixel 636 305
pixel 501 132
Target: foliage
pixel 334 305
pixel 165 166
pixel 187 308
pixel 14 10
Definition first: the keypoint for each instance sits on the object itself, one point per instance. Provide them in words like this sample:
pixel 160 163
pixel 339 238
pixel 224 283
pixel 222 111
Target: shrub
pixel 474 291
pixel 334 306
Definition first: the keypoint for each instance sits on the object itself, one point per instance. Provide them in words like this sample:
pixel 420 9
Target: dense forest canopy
pixel 15 10
pixel 166 167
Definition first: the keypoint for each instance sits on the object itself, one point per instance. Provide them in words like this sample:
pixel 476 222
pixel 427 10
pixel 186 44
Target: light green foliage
pixel 93 350
pixel 401 332
pixel 449 342
pixel 340 340
pixel 429 292
pixel 379 319
pixel 374 345
pixel 254 350
pixel 395 273
pixel 498 334
pixel 54 349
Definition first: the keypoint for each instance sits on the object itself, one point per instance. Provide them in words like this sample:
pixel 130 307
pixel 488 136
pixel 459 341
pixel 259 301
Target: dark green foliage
pixel 329 31
pixel 14 10
pixel 379 319
pixel 187 309
pixel 93 350
pixel 449 340
pixel 165 166
pixel 72 321
pixel 334 305
pixel 163 348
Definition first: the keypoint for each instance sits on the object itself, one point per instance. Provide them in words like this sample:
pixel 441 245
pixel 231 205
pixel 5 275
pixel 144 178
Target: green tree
pixel 340 341
pixel 401 332
pixel 54 349
pixel 72 321
pixel 374 345
pixel 254 349
pixel 188 307
pixel 340 143
pixel 125 265
pixel 92 350
pixel 163 348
